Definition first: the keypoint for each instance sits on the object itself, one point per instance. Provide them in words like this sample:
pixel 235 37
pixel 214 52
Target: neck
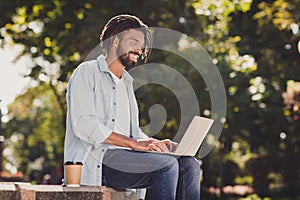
pixel 115 66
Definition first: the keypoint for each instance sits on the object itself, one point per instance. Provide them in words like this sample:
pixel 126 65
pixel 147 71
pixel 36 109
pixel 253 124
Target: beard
pixel 125 60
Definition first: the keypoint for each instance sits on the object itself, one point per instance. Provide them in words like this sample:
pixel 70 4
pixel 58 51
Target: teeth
pixel 134 57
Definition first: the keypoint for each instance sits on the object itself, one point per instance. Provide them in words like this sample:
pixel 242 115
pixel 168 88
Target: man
pixel 102 123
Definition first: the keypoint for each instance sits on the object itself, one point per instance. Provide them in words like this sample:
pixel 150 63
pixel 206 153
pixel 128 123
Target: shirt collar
pixel 104 68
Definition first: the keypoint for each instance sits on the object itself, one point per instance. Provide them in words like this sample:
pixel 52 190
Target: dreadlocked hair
pixel 121 23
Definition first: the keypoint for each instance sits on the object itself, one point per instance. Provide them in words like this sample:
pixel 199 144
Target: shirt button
pixel 113 88
pixel 115 103
pixel 98 166
pixel 113 120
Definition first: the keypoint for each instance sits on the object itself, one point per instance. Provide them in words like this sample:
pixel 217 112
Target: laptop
pixel 192 138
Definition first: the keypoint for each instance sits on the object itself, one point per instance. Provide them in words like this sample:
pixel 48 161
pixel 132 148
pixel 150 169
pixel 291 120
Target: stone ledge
pixel 26 191
pixel 7 191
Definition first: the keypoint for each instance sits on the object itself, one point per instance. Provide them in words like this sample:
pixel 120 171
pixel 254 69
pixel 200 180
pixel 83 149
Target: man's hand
pixel 154 145
pixel 150 144
pixel 172 146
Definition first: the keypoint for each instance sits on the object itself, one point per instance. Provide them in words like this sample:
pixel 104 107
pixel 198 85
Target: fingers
pixel 143 144
pixel 156 145
pixel 173 146
pixel 159 146
pixel 166 141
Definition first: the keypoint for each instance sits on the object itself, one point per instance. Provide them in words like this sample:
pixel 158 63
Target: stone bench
pixel 26 191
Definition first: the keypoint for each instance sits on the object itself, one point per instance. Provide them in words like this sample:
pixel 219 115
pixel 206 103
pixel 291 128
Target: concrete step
pixel 27 191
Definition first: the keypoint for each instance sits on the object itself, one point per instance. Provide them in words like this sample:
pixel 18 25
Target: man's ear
pixel 115 41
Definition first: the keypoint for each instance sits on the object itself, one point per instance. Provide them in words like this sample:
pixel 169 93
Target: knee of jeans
pixel 190 163
pixel 172 165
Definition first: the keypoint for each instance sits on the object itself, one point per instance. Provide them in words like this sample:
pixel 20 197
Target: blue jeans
pixel 168 177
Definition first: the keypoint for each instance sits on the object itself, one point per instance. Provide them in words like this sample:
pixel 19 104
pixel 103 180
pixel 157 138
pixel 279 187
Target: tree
pixel 35 132
pixel 252 43
pixel 277 63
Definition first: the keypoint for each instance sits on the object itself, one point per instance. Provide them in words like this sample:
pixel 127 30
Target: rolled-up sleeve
pixel 86 124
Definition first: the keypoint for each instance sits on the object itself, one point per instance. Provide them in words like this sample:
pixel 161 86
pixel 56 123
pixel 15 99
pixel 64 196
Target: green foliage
pixel 35 129
pixel 252 43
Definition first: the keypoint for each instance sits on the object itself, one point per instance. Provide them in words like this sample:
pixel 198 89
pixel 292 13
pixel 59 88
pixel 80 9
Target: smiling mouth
pixel 134 56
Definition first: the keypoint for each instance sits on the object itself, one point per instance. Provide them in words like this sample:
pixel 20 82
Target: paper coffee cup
pixel 73 173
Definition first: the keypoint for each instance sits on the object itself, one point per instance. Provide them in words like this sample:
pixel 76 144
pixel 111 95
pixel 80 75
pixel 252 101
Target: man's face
pixel 130 48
